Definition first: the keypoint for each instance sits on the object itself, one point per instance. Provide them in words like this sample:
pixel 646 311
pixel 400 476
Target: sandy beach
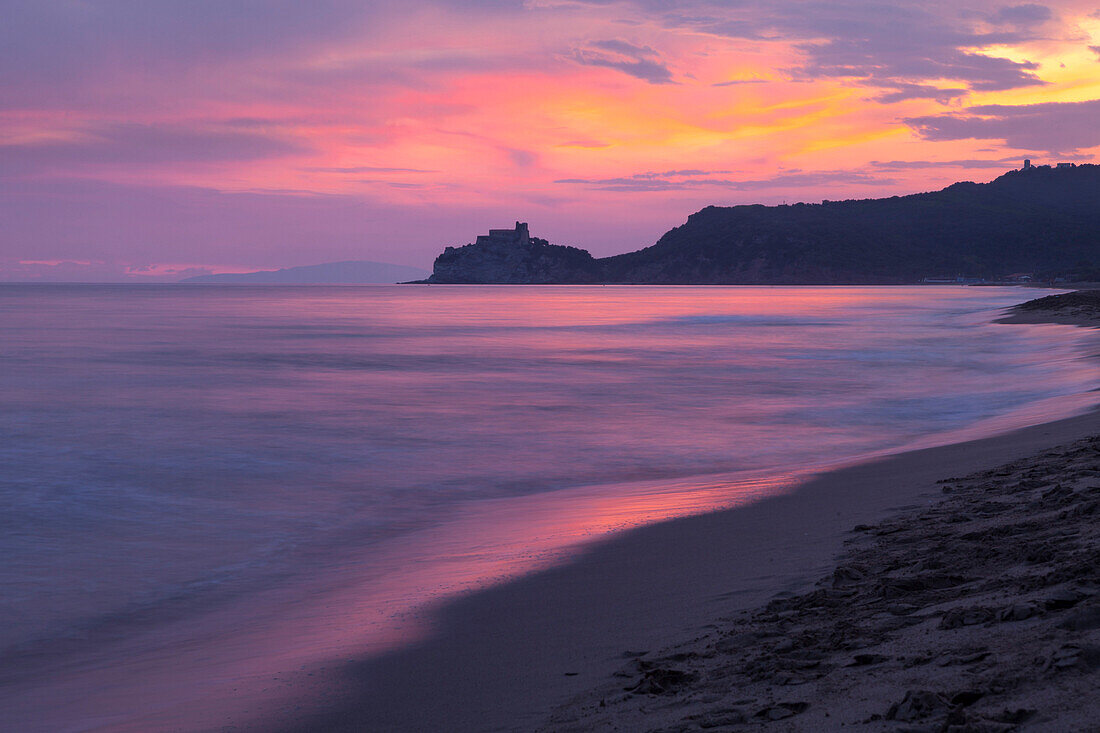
pixel 549 366
pixel 977 613
pixel 875 596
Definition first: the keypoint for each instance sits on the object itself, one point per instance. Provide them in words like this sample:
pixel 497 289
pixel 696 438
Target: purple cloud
pixel 50 49
pixel 136 144
pixel 1054 127
pixel 902 92
pixel 521 158
pixel 891 66
pixel 645 182
pixel 679 173
pixel 641 62
pixel 897 45
pixel 737 82
pixel 364 169
pixel 1095 50
pixel 1022 15
pixel 67 54
pixel 903 165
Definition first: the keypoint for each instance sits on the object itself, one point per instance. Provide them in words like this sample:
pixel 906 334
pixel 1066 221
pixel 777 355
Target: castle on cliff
pixel 519 236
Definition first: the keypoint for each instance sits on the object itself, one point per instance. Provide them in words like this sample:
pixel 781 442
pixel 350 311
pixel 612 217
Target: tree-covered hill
pixel 1043 220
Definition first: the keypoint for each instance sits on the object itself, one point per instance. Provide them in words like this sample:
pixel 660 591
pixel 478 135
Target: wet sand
pixel 978 613
pixel 972 608
pixel 1079 308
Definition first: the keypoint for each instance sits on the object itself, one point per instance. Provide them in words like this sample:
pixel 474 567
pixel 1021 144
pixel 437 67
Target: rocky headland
pixel 513 256
pixel 1039 223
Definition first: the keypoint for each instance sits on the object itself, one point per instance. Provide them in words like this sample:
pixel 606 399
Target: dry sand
pixel 975 611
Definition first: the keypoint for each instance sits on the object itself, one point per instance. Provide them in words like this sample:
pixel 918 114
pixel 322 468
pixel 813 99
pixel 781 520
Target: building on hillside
pixel 957 280
pixel 518 236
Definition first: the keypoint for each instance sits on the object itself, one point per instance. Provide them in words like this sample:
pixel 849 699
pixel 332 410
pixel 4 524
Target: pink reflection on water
pixel 669 400
pixel 196 673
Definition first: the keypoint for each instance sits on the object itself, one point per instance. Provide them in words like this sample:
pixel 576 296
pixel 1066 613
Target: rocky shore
pixel 1079 308
pixel 977 613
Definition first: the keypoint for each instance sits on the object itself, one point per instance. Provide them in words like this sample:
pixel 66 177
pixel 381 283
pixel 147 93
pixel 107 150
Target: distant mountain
pixel 1043 220
pixel 331 273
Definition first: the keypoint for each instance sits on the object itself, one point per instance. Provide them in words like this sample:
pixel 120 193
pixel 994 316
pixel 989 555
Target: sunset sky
pixel 159 138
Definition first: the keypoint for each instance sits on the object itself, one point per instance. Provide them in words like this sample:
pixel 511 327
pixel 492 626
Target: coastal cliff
pixel 1036 223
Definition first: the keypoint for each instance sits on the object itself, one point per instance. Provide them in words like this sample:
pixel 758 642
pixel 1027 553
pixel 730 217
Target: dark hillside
pixel 1040 220
pixel 1044 221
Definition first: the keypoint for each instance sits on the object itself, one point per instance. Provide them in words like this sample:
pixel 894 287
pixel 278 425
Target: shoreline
pixel 978 613
pixel 505 657
pixel 228 653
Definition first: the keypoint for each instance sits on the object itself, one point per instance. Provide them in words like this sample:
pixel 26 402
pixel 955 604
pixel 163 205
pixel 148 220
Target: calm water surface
pixel 205 486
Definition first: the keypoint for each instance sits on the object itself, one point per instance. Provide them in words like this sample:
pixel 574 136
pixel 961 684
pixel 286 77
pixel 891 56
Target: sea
pixel 209 489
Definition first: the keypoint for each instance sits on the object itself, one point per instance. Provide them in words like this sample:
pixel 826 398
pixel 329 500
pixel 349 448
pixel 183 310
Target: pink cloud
pixel 135 134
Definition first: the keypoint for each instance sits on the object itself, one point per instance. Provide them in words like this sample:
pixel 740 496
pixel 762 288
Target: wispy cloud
pixel 641 62
pixel 1026 15
pixel 364 169
pixel 977 163
pixel 646 182
pixel 1054 127
pixel 325 128
pixel 137 144
pixel 738 82
pixel 863 41
pixel 903 91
